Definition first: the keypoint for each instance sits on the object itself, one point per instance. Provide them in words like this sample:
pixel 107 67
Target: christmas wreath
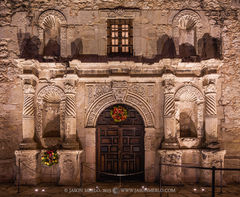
pixel 49 158
pixel 119 113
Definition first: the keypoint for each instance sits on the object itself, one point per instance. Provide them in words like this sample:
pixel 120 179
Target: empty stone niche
pixel 52 33
pixel 51 119
pixel 186 32
pixel 50 116
pixel 189 116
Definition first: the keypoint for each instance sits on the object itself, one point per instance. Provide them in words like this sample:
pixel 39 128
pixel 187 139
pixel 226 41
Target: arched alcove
pixel 52 33
pixel 186 32
pixel 50 116
pixel 189 103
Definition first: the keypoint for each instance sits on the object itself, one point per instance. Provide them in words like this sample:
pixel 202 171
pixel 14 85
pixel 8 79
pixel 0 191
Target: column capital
pixel 29 85
pixel 169 85
pixel 209 83
pixel 70 86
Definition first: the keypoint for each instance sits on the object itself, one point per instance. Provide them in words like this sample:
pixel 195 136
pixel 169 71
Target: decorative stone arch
pixel 50 94
pixel 189 100
pixel 190 92
pixel 109 99
pixel 186 20
pixel 46 21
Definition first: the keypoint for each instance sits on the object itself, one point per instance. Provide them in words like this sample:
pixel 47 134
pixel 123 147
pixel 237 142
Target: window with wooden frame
pixel 120 39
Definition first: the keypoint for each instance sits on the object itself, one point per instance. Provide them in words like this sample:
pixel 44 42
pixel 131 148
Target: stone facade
pixel 187 94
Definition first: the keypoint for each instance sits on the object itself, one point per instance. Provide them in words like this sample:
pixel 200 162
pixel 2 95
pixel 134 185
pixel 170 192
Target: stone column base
pixel 210 158
pixel 171 175
pixel 28 166
pixel 69 165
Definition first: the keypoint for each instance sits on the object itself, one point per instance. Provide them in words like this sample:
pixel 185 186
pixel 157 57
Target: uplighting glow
pixel 36 190
pixel 194 189
pixel 203 189
pixel 43 190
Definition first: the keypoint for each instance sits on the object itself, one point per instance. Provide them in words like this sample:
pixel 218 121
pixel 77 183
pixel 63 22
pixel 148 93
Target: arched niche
pixel 186 32
pixel 52 33
pixel 189 103
pixel 50 116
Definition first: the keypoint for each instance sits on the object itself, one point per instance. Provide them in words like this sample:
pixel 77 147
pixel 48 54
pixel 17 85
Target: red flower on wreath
pixel 119 113
pixel 49 158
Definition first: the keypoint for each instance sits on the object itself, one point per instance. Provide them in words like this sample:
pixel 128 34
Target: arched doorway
pixel 120 145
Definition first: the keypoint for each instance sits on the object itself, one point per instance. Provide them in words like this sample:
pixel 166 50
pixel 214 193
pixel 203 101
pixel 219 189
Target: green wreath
pixel 49 158
pixel 119 113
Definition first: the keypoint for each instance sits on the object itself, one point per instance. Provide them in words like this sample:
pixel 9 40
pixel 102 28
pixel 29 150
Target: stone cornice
pixel 126 68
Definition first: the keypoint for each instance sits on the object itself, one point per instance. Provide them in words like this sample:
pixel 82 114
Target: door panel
pixel 120 146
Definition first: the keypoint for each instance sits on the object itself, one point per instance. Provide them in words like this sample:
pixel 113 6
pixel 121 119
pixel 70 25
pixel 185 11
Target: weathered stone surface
pixel 158 29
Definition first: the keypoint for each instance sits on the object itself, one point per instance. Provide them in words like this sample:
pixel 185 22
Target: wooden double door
pixel 120 148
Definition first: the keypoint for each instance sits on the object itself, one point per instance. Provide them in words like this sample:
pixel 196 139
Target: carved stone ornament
pixel 121 12
pixel 55 14
pixel 119 89
pixel 70 87
pixel 184 20
pixel 210 85
pixel 169 105
pixel 169 85
pixel 137 95
pixel 28 89
pixel 189 92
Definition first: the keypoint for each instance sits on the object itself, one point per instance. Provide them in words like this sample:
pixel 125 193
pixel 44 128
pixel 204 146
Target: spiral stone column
pixel 211 120
pixel 170 140
pixel 28 115
pixel 70 116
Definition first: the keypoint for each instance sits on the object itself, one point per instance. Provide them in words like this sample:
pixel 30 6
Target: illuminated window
pixel 120 37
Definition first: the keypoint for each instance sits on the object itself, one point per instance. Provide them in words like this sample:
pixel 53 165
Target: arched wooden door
pixel 120 145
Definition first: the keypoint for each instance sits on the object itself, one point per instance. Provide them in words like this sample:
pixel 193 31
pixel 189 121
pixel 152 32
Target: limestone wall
pixel 86 19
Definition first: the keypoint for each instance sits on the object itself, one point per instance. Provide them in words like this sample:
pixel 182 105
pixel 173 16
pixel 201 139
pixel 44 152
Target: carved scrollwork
pixel 138 95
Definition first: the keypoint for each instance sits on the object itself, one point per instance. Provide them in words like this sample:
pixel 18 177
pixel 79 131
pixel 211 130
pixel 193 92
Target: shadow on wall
pixel 28 45
pixel 166 47
pixel 209 47
pixel 76 48
pixel 52 48
pixel 187 126
pixel 188 53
